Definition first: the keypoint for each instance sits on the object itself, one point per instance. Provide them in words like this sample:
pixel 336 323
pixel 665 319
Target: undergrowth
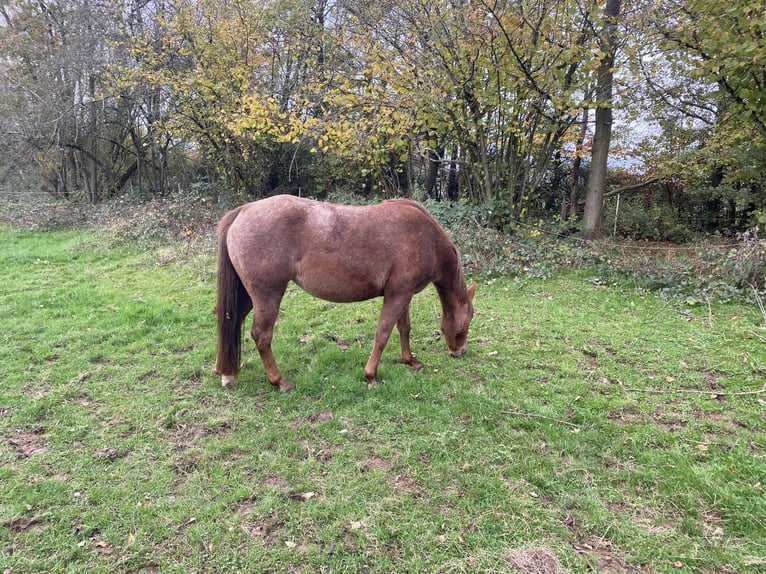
pixel 696 271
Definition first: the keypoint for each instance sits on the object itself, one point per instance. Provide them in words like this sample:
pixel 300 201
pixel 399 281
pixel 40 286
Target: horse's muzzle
pixel 459 353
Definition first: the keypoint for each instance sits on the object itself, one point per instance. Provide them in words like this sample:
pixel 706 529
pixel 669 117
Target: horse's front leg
pixel 390 314
pixel 403 325
pixel 265 313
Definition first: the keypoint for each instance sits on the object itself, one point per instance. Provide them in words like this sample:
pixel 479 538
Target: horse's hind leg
pixel 403 325
pixel 265 311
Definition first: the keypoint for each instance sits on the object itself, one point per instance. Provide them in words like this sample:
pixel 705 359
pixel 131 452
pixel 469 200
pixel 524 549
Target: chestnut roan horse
pixel 337 253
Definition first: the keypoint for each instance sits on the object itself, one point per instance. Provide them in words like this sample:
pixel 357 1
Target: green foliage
pixel 696 273
pixel 745 263
pixel 730 271
pixel 727 39
pixel 656 222
pixel 707 65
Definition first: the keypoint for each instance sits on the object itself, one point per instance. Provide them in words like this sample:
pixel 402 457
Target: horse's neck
pixel 451 285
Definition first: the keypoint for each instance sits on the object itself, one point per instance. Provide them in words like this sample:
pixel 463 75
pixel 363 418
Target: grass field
pixel 592 426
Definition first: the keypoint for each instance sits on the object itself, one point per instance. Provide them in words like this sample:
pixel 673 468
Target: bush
pixel 658 222
pixel 745 263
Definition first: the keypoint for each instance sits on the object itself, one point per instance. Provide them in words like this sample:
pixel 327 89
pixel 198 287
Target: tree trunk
pixel 93 191
pixel 594 197
pixel 569 205
pixel 453 191
pixel 434 163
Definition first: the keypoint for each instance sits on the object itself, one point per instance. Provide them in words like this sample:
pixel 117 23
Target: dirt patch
pixel 376 462
pixel 627 416
pixel 149 375
pixel 184 350
pixel 187 435
pixel 262 526
pixel 599 553
pixel 533 561
pixel 28 443
pixel 312 419
pixel 402 482
pixel 275 481
pixel 645 517
pixel 405 483
pixel 605 558
pixel 186 464
pixel 256 526
pixel 107 453
pixel 24 523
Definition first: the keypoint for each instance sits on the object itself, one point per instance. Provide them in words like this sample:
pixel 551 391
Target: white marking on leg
pixel 227 381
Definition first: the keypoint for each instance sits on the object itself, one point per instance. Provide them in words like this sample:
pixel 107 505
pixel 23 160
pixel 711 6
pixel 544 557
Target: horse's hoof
pixel 286 386
pixel 415 365
pixel 412 363
pixel 228 381
pixel 370 383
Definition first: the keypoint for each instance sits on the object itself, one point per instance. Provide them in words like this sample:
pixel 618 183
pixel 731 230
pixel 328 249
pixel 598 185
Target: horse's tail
pixel 230 304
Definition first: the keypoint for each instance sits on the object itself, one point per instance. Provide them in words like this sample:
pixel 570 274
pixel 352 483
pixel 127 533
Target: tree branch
pixel 698 392
pixel 633 187
pixel 532 415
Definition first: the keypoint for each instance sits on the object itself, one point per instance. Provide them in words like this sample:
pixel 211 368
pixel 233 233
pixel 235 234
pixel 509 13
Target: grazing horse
pixel 340 254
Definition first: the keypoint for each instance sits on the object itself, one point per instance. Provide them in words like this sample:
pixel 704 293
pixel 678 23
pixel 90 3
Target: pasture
pixel 592 426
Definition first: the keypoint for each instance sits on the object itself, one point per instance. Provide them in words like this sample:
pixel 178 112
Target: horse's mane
pixel 457 285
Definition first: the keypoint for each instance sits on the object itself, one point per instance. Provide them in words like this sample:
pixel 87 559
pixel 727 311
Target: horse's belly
pixel 340 291
pixel 338 283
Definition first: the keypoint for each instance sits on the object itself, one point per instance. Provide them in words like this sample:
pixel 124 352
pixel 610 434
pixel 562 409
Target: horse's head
pixel 455 323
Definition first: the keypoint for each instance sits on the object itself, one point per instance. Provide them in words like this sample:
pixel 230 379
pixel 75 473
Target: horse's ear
pixel 472 290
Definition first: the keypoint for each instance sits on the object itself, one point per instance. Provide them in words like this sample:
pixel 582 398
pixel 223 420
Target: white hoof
pixel 227 381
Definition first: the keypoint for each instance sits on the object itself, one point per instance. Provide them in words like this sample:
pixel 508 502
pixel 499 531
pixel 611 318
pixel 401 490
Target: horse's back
pixel 335 252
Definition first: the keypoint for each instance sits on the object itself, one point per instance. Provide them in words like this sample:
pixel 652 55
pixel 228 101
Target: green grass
pixel 590 419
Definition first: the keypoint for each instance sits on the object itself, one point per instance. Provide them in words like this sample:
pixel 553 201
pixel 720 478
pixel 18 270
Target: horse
pixel 341 254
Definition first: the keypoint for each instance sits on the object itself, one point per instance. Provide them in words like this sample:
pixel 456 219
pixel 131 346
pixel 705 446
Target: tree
pixel 76 136
pixel 726 40
pixel 703 65
pixel 497 89
pixel 601 140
